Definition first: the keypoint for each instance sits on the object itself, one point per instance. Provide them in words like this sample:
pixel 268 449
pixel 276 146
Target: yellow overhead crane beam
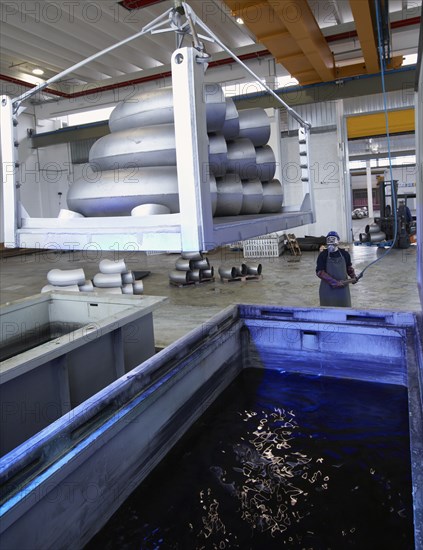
pixel 360 126
pixel 361 68
pixel 289 30
pixel 362 14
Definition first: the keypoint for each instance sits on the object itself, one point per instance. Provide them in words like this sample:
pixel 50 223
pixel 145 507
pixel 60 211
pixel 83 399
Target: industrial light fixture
pixel 37 71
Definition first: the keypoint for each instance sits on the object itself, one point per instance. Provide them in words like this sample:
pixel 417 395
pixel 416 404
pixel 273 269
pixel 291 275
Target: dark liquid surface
pixel 280 461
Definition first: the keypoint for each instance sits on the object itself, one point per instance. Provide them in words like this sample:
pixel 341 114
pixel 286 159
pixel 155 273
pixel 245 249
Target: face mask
pixel 332 243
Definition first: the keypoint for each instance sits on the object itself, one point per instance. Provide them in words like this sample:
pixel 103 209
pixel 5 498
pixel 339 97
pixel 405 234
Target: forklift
pixel 382 231
pixel 388 207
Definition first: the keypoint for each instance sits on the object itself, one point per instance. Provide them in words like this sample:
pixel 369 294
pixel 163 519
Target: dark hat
pixel 333 234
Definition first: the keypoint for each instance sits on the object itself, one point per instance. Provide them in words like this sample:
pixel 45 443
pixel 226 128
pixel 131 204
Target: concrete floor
pixel 389 284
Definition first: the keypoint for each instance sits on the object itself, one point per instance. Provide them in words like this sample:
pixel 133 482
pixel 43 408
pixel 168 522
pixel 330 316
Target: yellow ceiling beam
pixel 356 69
pixel 297 17
pixel 288 29
pixel 399 121
pixel 279 35
pixel 362 14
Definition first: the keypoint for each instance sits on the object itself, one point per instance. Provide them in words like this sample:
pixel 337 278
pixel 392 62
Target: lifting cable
pixel 385 109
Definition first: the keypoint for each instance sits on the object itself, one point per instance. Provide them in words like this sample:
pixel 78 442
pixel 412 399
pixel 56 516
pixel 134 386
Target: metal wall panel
pixel 80 150
pixel 399 99
pixel 320 115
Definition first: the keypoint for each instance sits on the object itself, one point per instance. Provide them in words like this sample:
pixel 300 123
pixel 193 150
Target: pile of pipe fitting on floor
pixel 372 234
pixel 133 169
pixel 113 278
pixel 191 267
pixel 237 272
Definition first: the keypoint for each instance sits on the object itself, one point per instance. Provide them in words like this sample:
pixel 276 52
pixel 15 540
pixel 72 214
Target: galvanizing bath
pixel 301 456
pixel 281 460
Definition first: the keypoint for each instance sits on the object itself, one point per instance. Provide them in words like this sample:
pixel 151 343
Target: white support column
pixel 8 157
pixel 345 176
pixel 369 189
pixel 275 139
pixel 191 150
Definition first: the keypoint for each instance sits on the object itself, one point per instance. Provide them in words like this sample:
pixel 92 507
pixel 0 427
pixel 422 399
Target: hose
pixel 385 109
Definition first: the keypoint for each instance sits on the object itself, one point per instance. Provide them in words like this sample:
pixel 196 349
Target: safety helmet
pixel 331 235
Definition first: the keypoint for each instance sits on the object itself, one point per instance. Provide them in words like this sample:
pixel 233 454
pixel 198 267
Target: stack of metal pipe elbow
pixel 249 185
pixel 113 277
pixel 191 267
pixel 65 280
pixel 135 165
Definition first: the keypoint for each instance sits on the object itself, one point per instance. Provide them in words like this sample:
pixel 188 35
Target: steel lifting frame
pixel 193 228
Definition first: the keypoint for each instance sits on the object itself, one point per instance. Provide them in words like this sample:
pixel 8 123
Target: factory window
pixel 85 117
pixel 90 116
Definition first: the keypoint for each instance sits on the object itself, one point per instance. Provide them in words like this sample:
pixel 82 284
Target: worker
pixel 405 213
pixel 333 268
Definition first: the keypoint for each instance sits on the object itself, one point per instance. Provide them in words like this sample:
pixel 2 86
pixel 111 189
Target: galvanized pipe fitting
pixel 252 196
pixel 241 270
pixel 110 266
pixel 208 273
pixel 183 265
pixel 218 155
pixel 87 286
pixel 108 290
pixel 213 193
pixel 272 197
pixel 156 107
pixel 66 277
pixel 227 272
pixel 201 264
pixel 242 158
pixel 180 277
pixel 128 278
pixel 254 124
pixel 229 195
pixel 254 269
pixel 192 255
pixel 107 280
pixel 117 192
pixel 143 147
pixel 266 163
pixel 230 128
pixel 138 287
pixel 127 289
pixel 150 210
pixel 195 275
